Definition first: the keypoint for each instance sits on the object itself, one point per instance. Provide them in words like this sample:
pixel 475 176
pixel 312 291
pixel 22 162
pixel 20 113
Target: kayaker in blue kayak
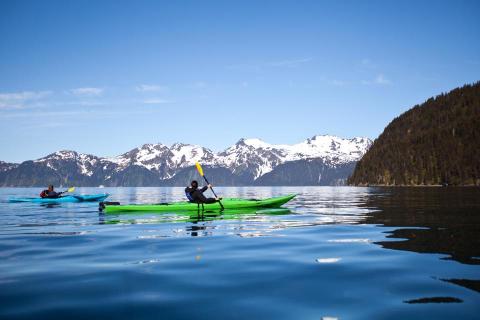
pixel 194 194
pixel 50 193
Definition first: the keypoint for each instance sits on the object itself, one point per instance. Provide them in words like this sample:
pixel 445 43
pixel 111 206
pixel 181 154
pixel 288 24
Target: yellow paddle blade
pixel 71 189
pixel 199 168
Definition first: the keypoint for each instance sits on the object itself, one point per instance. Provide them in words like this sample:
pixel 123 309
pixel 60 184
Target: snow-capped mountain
pixel 258 157
pixel 245 162
pixel 85 163
pixel 164 160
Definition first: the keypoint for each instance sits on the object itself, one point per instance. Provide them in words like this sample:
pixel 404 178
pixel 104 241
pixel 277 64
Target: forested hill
pixel 434 143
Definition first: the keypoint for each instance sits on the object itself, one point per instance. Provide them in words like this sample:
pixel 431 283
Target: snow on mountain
pixel 150 156
pixel 248 158
pixel 5 166
pixel 332 148
pixel 252 157
pixel 56 160
pixel 258 157
pixel 185 155
pixel 163 159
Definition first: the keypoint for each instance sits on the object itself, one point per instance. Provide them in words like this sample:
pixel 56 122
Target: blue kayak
pixel 67 198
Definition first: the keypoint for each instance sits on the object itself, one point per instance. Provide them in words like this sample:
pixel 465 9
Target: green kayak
pixel 229 204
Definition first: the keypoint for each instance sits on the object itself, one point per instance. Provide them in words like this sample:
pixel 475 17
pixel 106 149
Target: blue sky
pixel 103 77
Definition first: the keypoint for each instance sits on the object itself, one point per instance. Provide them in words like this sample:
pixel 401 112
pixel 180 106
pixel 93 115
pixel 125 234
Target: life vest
pixel 44 194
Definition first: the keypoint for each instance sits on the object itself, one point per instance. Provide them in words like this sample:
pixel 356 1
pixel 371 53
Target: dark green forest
pixel 435 143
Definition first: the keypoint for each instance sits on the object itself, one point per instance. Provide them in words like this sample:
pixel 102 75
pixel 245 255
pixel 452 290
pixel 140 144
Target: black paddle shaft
pixel 206 180
pixel 210 188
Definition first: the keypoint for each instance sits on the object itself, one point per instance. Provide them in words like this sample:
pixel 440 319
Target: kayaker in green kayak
pixel 194 194
pixel 50 193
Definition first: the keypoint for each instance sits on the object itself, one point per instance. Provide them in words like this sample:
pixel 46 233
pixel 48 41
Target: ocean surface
pixel 338 253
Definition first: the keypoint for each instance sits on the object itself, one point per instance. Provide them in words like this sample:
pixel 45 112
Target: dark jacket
pixel 50 194
pixel 192 190
pixel 197 195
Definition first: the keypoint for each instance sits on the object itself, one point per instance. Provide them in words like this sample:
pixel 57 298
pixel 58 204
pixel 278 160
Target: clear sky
pixel 103 77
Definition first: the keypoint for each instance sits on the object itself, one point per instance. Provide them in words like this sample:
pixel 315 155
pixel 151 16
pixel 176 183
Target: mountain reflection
pixel 430 220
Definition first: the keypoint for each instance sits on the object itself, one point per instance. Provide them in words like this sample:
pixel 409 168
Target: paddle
pixel 71 189
pixel 200 171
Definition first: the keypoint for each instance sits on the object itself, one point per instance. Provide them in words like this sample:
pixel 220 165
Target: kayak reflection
pixel 191 217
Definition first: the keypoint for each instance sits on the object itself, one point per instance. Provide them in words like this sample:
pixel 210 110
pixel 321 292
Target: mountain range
pixel 320 160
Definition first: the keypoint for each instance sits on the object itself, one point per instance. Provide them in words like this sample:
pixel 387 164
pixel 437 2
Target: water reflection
pixel 425 220
pixel 435 300
pixel 469 284
pixel 198 230
pixel 339 252
pixel 191 217
pixel 430 220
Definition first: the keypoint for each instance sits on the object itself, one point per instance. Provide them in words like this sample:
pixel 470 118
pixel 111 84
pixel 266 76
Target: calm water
pixel 346 253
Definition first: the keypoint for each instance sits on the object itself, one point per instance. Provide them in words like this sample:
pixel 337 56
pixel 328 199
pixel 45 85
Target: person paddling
pixel 50 193
pixel 194 194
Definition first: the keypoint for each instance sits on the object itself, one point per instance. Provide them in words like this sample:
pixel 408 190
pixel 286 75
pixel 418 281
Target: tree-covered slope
pixel 433 143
